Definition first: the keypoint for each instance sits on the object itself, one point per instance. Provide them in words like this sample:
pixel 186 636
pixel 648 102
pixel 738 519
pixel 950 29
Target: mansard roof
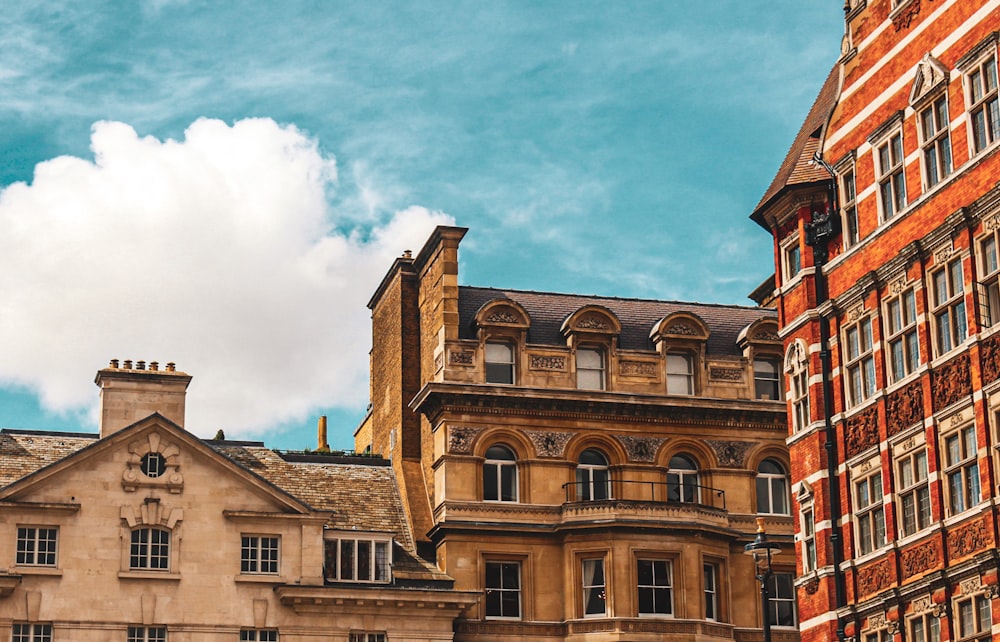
pixel 796 168
pixel 549 310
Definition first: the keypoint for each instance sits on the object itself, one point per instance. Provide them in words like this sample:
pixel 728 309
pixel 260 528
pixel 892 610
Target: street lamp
pixel 761 551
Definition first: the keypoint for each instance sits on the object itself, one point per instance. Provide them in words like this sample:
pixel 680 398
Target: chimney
pixel 322 445
pixel 128 395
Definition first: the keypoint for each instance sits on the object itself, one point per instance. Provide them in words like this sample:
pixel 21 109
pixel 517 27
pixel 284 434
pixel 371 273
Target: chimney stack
pixel 128 395
pixel 322 445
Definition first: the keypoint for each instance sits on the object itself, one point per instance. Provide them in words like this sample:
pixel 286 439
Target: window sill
pixel 260 579
pixel 37 570
pixel 149 575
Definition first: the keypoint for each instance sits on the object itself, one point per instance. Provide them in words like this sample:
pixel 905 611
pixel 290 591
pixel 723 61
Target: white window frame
pixel 902 340
pixel 972 617
pixel 767 378
pixel 890 171
pixel 924 627
pixel 593 477
pixel 502 473
pixel 962 482
pixel 934 131
pixel 502 589
pixel 683 483
pixel 980 101
pixel 147 634
pixel 851 232
pixel 37 546
pixel 776 603
pixel 344 545
pixel 590 584
pixel 658 589
pixel 260 554
pixel 367 636
pixel 258 635
pixel 913 493
pixel 773 487
pixel 869 511
pixel 797 372
pixel 680 380
pixel 31 632
pixel 496 363
pixel 591 365
pixel 807 520
pixel 791 258
pixel 950 319
pixel 989 270
pixel 859 361
pixel 150 555
pixel 710 588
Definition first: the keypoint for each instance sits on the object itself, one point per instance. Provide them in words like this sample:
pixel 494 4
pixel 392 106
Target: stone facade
pixel 886 261
pixel 583 528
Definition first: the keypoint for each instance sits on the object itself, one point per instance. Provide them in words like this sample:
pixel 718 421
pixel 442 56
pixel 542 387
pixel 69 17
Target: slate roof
pixel 638 316
pixel 358 496
pixel 796 169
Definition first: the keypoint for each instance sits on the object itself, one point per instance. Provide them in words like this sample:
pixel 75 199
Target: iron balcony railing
pixel 645 491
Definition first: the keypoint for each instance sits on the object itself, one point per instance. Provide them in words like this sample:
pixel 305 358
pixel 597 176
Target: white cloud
pixel 215 252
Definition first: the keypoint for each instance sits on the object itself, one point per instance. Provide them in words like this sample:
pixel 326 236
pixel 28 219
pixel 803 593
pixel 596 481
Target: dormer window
pixel 499 362
pixel 348 557
pixel 680 374
pixel 590 369
pixel 681 338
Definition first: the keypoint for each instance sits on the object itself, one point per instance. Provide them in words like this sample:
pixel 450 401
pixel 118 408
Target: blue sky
pixel 223 184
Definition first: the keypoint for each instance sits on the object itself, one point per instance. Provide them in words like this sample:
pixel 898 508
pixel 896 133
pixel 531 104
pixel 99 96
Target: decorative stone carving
pixel 812 586
pixel 640 448
pixel 967 539
pixel 930 75
pixel 461 357
pixel 725 374
pixel 907 13
pixel 990 349
pixel 461 438
pixel 919 559
pixel 943 254
pixel 549 444
pixel 861 432
pixel 767 333
pixel 438 361
pixel 874 577
pixel 898 285
pixel 503 315
pixel 682 329
pixel 731 454
pixel 970 585
pixel 593 322
pixel 951 382
pixel 544 362
pixel 133 477
pixel 904 408
pixel 637 368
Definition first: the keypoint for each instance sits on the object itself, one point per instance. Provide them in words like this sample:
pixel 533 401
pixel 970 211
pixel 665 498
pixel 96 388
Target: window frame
pixel 150 556
pixel 807 521
pixel 936 156
pixel 31 632
pixel 791 258
pixel 492 367
pixel 989 284
pixel 868 493
pixel 587 586
pixel 258 635
pixel 654 589
pixel 600 369
pixel 964 470
pixel 146 634
pixel 901 338
pixel 771 379
pixel 913 492
pixel 847 182
pixel 252 554
pixel 859 361
pixel 890 173
pixel 797 373
pixel 375 542
pixel 367 636
pixel 950 320
pixel 980 621
pixel 504 472
pixel 778 580
pixel 988 100
pixel 712 605
pixel 675 375
pixel 680 488
pixel 770 480
pixel 34 540
pixel 929 628
pixel 502 590
pixel 587 477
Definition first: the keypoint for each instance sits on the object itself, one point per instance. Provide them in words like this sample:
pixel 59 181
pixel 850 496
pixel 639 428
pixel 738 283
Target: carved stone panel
pixel 718 373
pixel 461 438
pixel 549 444
pixel 991 358
pixel 967 539
pixel 640 448
pixel 861 432
pixel 593 322
pixel 546 362
pixel 907 13
pixel 461 357
pixel 874 577
pixel 637 368
pixel 681 328
pixel 951 382
pixel 918 559
pixel 731 454
pixel 904 408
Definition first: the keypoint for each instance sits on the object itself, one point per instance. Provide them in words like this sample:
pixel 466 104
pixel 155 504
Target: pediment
pixel 153 454
pixel 594 319
pixel 931 74
pixel 502 312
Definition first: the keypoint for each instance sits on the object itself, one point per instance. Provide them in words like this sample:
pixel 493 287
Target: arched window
pixel 149 549
pixel 772 488
pixel 499 362
pixel 680 374
pixel 590 369
pixel 500 475
pixel 593 481
pixel 682 480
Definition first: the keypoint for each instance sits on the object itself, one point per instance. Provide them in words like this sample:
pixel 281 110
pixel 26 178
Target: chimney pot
pixel 171 366
pixel 154 366
pixel 128 364
pixel 114 363
pixel 140 365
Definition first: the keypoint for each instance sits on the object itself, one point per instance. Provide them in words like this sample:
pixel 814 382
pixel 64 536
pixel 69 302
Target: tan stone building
pixel 592 467
pixel 146 533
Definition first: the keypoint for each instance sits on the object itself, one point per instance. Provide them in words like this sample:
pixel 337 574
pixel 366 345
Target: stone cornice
pixel 438 399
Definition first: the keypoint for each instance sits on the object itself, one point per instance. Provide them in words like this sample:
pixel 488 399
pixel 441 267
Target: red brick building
pixel 889 307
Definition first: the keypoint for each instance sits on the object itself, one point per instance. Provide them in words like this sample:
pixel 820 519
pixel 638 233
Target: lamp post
pixel 761 550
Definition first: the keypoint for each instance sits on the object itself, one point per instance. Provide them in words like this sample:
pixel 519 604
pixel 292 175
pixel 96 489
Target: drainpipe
pixel 819 231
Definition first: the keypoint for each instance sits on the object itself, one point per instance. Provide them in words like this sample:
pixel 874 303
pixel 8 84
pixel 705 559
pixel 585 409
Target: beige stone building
pixel 591 467
pixel 146 533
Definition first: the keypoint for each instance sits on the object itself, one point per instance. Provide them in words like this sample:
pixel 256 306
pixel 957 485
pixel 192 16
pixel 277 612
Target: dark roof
pixel 638 316
pixel 796 169
pixel 22 452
